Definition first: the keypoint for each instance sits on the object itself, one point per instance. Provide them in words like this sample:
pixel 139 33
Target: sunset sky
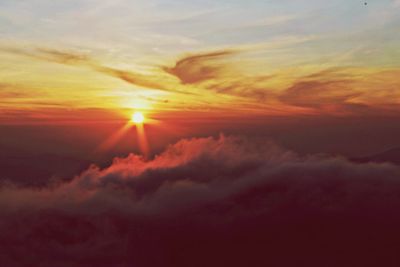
pixel 62 59
pixel 199 133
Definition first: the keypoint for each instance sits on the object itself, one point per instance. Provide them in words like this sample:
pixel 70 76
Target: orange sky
pixel 286 64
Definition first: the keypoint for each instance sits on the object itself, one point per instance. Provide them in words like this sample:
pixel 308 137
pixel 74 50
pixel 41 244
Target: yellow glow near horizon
pixel 137 117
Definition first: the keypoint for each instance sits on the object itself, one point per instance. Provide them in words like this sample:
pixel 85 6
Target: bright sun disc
pixel 138 117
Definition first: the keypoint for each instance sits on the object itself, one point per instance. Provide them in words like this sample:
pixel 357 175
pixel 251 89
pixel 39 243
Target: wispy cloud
pixel 70 58
pixel 200 67
pixel 335 90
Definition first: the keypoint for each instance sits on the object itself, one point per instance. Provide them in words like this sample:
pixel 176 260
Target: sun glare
pixel 137 118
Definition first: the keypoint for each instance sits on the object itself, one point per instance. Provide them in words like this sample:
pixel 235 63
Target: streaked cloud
pixel 220 73
pixel 197 68
pixel 316 57
pixel 74 59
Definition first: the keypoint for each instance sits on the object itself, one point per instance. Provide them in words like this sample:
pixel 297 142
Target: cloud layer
pixel 208 202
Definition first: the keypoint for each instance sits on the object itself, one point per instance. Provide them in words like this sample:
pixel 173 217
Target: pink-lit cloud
pixel 207 197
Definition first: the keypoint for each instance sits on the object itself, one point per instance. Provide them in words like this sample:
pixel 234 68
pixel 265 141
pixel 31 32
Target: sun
pixel 137 118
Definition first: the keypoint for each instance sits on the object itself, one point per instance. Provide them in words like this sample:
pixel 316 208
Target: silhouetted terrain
pixel 30 169
pixel 391 156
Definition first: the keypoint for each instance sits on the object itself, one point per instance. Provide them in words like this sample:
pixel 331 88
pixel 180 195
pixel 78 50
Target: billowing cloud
pixel 207 202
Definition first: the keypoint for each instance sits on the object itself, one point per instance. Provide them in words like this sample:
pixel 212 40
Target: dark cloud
pixel 52 55
pixel 197 68
pixel 334 90
pixel 208 202
pixel 215 71
pixel 11 91
pixel 338 90
pixel 134 78
pixel 318 93
pixel 62 57
pixel 249 87
pixel 325 96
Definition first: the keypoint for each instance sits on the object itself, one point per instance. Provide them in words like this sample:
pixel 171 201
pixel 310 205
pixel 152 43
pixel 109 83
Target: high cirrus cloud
pixel 77 59
pixel 208 202
pixel 333 90
pixel 197 68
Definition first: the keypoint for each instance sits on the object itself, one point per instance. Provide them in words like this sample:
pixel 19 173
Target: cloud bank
pixel 208 202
